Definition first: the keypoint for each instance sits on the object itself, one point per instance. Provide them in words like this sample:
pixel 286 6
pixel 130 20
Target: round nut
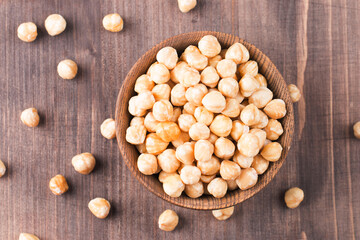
pixel 58 185
pixel 150 122
pixel 250 115
pixel 190 174
pixel 250 67
pixel 217 187
pixel 185 122
pixel 168 162
pixel 189 76
pixel 229 170
pixel 221 125
pixel 176 115
pixel 113 22
pixel 273 129
pixel 185 153
pixel 135 108
pixel 161 91
pixel 224 148
pixel 275 109
pixel 189 108
pixel 168 220
pixel 177 73
pixel 183 138
pixel 199 131
pixel 272 151
pixel 209 77
pixel 226 68
pixel 178 95
pixel 173 186
pixel 107 128
pixel 214 102
pixel 209 167
pixel 30 117
pixel 261 80
pixel 238 53
pixel 135 134
pixel 27 32
pixel 194 58
pixel 263 122
pixel 100 207
pixel 143 83
pixel 261 97
pixel 163 175
pixel 196 93
pixel 238 129
pixel 214 61
pixel 228 87
pixel 55 24
pixel 249 145
pixel 83 163
pixel 247 179
pixel 163 110
pixel 147 164
pixel 248 84
pixel 159 73
pixel 167 56
pixel 209 46
pixel 207 178
pixel 293 197
pixel 67 69
pixel 194 190
pixel 260 164
pixel 232 108
pixel 203 115
pixel 186 5
pixel 295 93
pixel 154 144
pixel 261 134
pixel 203 150
pixel 223 214
pixel 168 131
pixel 241 160
pixel 137 121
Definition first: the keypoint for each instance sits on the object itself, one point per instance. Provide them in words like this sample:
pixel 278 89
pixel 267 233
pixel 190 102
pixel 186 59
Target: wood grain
pixel 324 159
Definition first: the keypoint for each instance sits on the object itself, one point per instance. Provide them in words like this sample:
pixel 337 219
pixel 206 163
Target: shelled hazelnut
pixel 58 185
pixel 100 207
pixel 168 220
pixel 223 214
pixel 83 163
pixel 293 197
pixel 55 24
pixel 113 22
pixel 27 32
pixel 67 69
pixel 107 128
pixel 30 117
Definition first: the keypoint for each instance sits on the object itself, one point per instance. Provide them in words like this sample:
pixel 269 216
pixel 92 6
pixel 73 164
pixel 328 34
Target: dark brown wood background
pixel 314 43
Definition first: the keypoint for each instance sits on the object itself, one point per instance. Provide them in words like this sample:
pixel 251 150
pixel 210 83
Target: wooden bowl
pixel 130 154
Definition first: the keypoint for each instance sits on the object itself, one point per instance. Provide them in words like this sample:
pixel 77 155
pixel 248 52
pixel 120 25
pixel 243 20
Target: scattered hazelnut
pixel 293 197
pixel 67 69
pixel 100 207
pixel 83 163
pixel 27 32
pixel 113 22
pixel 55 24
pixel 58 185
pixel 107 128
pixel 30 117
pixel 168 220
pixel 223 214
pixel 294 91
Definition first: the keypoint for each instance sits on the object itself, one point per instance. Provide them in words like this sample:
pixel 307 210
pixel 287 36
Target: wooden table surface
pixel 314 43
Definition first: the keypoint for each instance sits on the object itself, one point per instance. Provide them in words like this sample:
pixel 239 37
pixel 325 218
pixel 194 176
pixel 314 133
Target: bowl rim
pixel 225 202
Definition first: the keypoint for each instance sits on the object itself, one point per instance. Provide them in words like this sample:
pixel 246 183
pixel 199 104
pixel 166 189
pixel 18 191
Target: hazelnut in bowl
pixel 204 120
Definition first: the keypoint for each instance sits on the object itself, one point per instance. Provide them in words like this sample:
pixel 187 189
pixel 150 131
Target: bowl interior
pixel 129 152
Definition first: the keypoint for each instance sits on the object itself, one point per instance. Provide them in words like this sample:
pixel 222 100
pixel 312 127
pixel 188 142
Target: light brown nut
pixel 168 131
pixel 183 138
pixel 260 164
pixel 223 214
pixel 2 169
pixel 261 134
pixel 272 151
pixel 261 80
pixel 356 129
pixel 182 165
pixel 224 148
pixel 232 185
pixel 221 126
pixel 249 145
pixel 248 84
pixel 141 148
pixel 217 187
pixel 194 190
pixel 167 56
pixel 190 174
pixel 161 91
pixel 189 108
pixel 185 122
pixel 150 122
pixel 212 138
pixel 113 22
pixel 28 236
pixel 186 5
pixel 263 122
pixel 178 95
pixel 55 24
pixel 238 53
pixel 185 153
pixel 232 108
pixel 163 110
pixel 154 144
pixel 173 186
pixel 158 73
pixel 176 114
pixel 137 121
pixel 107 128
pixel 238 129
pixel 293 197
pixel 275 109
pixel 209 167
pixel 67 69
pixel 58 185
pixel 199 131
pixel 250 67
pixel 135 108
pixel 213 61
pixel 83 163
pixel 203 150
pixel 147 164
pixel 273 129
pixel 30 117
pixel 209 77
pixel 203 115
pixel 250 115
pixel 295 93
pixel 100 207
pixel 207 178
pixel 261 97
pixel 247 179
pixel 177 73
pixel 27 32
pixel 189 76
pixel 168 220
pixel 209 46
pixel 214 101
pixel 241 160
pixel 194 58
pixel 135 134
pixel 196 93
pixel 228 87
pixel 229 170
pixel 226 68
pixel 143 83
pixel 163 175
pixel 168 161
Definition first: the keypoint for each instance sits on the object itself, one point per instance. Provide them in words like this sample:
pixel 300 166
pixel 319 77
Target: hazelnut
pixel 173 186
pixel 141 148
pixel 272 151
pixel 207 178
pixel 55 24
pixel 203 115
pixel 199 131
pixel 185 153
pixel 163 175
pixel 212 139
pixel 177 72
pixel 183 138
pixel 150 122
pixel 249 145
pixel 186 5
pixel 2 169
pixel 67 69
pixel 178 95
pixel 221 126
pixel 250 115
pixel 241 160
pixel 58 185
pixel 83 163
pixel 232 108
pixel 248 84
pixel 232 185
pixel 228 87
pixel 294 91
pixel 293 197
pixel 185 122
pixel 261 97
pixel 356 128
pixel 203 150
pixel 217 187
pixel 113 22
pixel 238 129
pixel 250 67
pixel 209 77
pixel 135 134
pixel 30 117
pixel 163 110
pixel 214 102
pixel 209 46
pixel 261 80
pixel 194 58
pixel 154 144
pixel 27 32
pixel 194 190
pixel 189 108
pixel 229 170
pixel 100 207
pixel 209 167
pixel 159 73
pixel 135 108
pixel 28 236
pixel 273 129
pixel 143 83
pixel 214 61
pixel 147 164
pixel 261 134
pixel 167 56
pixel 260 164
pixel 107 128
pixel 189 76
pixel 161 91
pixel 275 109
pixel 223 214
pixel 238 53
pixel 168 220
pixel 137 121
pixel 176 114
pixel 247 179
pixel 167 161
pixel 168 131
pixel 196 93
pixel 263 121
pixel 224 148
pixel 190 174
pixel 226 68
